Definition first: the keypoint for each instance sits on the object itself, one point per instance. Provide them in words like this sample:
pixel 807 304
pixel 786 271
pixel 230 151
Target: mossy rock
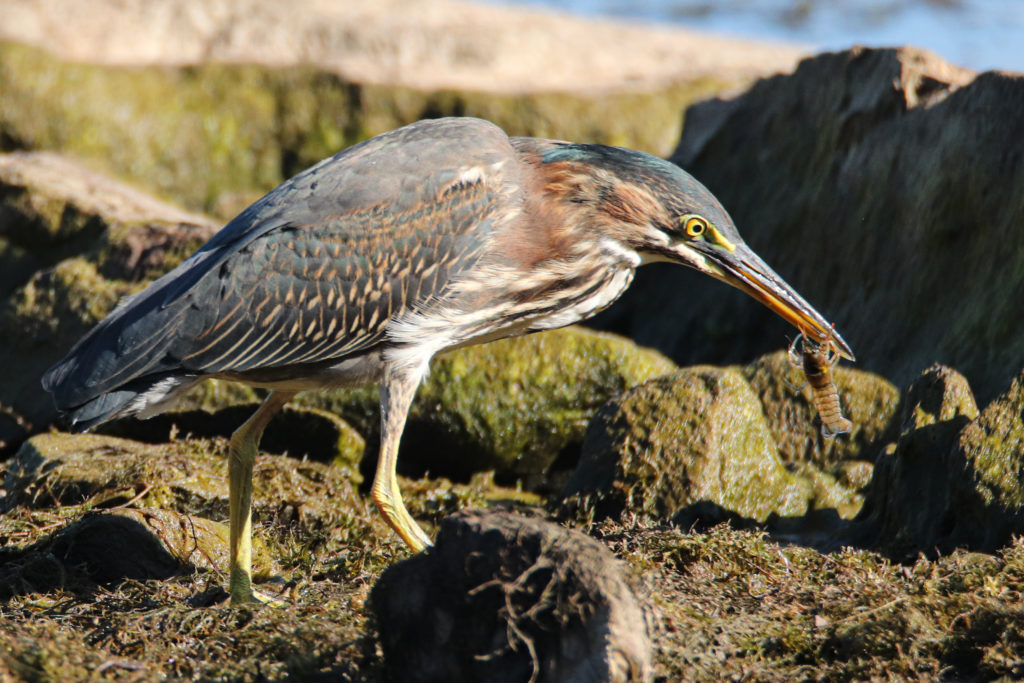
pixel 299 431
pixel 52 207
pixel 697 437
pixel 869 401
pixel 213 133
pixel 923 496
pixel 111 546
pixel 189 476
pixel 42 320
pixel 513 406
pixel 993 448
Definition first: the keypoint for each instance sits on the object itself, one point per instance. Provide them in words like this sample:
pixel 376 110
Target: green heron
pixel 437 235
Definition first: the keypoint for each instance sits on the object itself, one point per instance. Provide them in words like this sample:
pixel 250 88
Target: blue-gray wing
pixel 315 269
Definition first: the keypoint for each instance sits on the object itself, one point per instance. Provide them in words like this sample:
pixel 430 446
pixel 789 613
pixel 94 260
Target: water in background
pixel 979 34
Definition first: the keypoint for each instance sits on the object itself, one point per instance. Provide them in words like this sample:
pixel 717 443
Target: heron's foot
pixel 242 593
pixel 259 598
pixel 266 599
pixel 416 538
pixel 389 502
pixel 409 531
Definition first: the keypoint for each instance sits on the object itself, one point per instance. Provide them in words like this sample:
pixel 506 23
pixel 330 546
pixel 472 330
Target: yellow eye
pixel 696 226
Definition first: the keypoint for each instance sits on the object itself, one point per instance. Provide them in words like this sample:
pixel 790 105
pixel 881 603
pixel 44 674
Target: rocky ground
pixel 628 512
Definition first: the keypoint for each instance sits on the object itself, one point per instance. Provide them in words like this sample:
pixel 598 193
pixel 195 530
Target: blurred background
pixel 979 34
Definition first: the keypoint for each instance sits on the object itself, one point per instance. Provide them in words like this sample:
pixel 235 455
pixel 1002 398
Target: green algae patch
pixel 734 604
pixel 190 476
pixel 513 406
pixel 869 401
pixel 697 437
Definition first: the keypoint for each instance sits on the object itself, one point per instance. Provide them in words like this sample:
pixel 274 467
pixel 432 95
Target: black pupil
pixel 696 227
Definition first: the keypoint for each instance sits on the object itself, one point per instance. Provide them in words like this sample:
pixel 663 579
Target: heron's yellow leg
pixel 397 392
pixel 241 456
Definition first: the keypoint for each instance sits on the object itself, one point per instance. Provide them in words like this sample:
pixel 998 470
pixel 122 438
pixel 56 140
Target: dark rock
pixel 106 548
pixel 698 437
pixel 507 598
pixel 883 185
pixel 925 494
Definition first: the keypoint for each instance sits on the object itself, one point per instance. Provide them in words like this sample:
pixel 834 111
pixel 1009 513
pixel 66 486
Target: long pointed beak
pixel 744 269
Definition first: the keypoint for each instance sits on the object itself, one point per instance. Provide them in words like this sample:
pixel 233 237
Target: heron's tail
pixel 99 410
pixel 145 396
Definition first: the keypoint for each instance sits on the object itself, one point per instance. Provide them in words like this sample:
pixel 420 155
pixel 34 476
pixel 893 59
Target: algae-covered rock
pixel 108 547
pixel 519 403
pixel 148 543
pixel 42 320
pixel 868 400
pixel 513 406
pixel 993 448
pixel 924 495
pixel 883 185
pixel 696 437
pixel 52 207
pixel 188 476
pixel 298 431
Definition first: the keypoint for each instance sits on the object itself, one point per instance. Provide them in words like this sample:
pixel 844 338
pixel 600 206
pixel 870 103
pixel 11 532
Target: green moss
pixel 993 447
pixel 698 436
pixel 953 478
pixel 524 401
pixel 513 406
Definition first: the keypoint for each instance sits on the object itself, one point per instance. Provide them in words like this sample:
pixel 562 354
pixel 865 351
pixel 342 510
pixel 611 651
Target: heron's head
pixel 664 214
